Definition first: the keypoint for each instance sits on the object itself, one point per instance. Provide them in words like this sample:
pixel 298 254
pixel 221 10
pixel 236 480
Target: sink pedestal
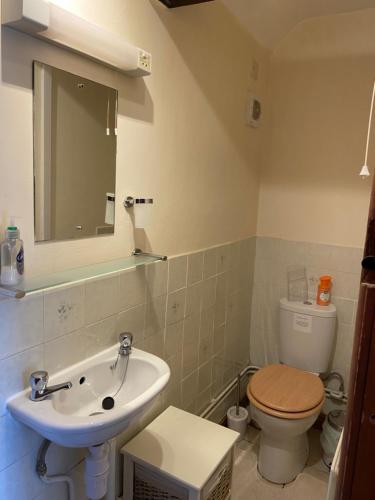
pixel 97 471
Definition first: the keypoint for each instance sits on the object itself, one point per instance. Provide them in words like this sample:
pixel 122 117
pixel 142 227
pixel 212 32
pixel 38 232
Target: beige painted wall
pixel 182 137
pixel 321 80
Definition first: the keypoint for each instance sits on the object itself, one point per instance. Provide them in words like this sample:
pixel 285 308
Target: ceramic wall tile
pixel 173 338
pixel 190 355
pixel 189 389
pixel 19 481
pixel 80 344
pixel 133 321
pixel 16 440
pixel 204 376
pixel 207 322
pixel 195 268
pixel 247 253
pixel 177 273
pixel 205 348
pixel 68 349
pixel 209 263
pixel 208 292
pixel 155 316
pixel 235 251
pixel 21 324
pixel 156 279
pixel 193 299
pixel 18 369
pixel 102 335
pixel 343 351
pixel 346 285
pixel 62 459
pixel 172 396
pixel 345 310
pixel 201 400
pixel 56 491
pixel 191 329
pixel 63 311
pixel 175 365
pixel 101 298
pixel 218 367
pixel 347 259
pixel 176 306
pixel 223 256
pixel 132 288
pixel 218 341
pixel 154 344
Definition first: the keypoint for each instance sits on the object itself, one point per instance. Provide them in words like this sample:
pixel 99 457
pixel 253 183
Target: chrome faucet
pixel 126 341
pixel 39 390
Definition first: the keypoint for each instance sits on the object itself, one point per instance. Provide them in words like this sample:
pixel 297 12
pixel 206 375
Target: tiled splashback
pixel 193 310
pixel 273 256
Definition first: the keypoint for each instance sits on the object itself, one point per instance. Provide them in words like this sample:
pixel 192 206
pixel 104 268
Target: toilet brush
pixel 237 415
pixel 238 394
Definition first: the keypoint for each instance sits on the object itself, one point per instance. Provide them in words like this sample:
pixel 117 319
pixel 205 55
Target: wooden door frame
pixel 357 463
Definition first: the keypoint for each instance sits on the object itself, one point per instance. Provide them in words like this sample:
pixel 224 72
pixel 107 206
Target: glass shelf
pixel 81 273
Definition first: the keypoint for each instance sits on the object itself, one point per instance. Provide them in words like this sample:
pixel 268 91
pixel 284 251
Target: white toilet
pixel 286 398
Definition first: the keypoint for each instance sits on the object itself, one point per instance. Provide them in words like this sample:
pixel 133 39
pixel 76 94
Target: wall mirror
pixel 75 130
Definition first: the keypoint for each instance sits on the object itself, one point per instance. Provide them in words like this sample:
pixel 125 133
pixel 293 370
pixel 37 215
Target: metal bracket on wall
pixel 10 292
pixel 138 252
pixel 130 202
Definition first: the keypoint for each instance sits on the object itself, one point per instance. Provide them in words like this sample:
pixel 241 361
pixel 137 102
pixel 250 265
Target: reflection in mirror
pixel 75 128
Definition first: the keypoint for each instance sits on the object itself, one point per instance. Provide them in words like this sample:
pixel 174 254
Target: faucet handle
pixel 126 339
pixel 39 380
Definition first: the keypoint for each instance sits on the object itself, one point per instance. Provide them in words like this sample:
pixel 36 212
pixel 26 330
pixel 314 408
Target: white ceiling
pixel 270 20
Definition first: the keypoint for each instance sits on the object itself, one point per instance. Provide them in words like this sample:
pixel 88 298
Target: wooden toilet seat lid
pixel 286 389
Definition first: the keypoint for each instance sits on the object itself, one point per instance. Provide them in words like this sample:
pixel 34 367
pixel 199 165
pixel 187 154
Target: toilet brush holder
pixel 238 422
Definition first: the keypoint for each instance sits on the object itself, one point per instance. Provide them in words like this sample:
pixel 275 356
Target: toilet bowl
pixel 285 403
pixel 286 399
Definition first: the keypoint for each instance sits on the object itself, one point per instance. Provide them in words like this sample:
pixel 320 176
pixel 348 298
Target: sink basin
pixel 75 417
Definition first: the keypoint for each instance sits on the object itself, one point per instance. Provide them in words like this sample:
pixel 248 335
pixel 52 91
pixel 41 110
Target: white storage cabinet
pixel 179 456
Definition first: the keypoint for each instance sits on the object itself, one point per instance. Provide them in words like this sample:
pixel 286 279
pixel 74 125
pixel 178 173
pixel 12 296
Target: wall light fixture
pixel 56 25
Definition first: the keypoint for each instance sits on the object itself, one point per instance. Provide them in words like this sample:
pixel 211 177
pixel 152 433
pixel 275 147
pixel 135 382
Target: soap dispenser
pixel 12 256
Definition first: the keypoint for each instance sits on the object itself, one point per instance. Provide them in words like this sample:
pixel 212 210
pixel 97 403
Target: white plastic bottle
pixel 12 257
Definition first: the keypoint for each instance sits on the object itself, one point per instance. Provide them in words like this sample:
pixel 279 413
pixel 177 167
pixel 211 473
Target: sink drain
pixel 96 413
pixel 108 403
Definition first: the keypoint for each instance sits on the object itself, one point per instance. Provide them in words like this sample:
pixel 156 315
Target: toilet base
pixel 281 460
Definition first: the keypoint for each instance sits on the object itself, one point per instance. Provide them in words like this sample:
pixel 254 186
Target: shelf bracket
pixel 139 252
pixel 14 293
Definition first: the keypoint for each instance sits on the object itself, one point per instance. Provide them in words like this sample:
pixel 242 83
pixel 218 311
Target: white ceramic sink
pixel 75 417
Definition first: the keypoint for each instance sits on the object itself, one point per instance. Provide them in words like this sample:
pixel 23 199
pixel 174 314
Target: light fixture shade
pixel 29 16
pixel 364 171
pixel 58 26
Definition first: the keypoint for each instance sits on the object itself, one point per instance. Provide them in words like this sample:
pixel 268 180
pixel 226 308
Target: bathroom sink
pixel 75 417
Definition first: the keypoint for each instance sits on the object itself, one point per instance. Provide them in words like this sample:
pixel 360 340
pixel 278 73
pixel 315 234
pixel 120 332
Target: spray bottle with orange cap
pixel 324 291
